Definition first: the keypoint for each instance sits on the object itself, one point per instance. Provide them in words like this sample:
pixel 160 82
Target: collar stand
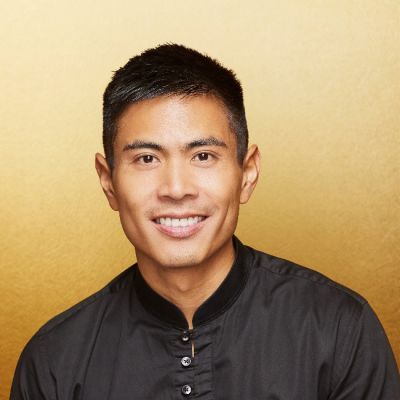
pixel 216 304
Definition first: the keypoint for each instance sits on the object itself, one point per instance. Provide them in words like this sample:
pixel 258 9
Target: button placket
pixel 185 338
pixel 184 363
pixel 202 363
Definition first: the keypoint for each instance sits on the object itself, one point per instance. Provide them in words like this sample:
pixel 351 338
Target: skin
pixel 176 158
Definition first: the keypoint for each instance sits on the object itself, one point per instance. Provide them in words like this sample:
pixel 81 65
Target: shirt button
pixel 185 337
pixel 186 390
pixel 186 361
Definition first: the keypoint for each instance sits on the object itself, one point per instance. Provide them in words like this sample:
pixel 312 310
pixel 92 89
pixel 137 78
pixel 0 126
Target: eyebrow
pixel 210 141
pixel 142 144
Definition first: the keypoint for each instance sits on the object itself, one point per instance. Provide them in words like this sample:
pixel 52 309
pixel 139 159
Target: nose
pixel 177 182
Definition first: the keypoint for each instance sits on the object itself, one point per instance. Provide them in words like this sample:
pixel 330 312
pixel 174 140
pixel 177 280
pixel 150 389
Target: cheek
pixel 222 188
pixel 133 196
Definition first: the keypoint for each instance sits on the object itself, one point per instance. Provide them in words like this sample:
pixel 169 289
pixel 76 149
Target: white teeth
pixel 179 222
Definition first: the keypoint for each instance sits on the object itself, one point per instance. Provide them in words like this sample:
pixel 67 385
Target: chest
pixel 248 363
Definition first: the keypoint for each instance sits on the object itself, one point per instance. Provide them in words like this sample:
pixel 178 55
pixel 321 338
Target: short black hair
pixel 172 69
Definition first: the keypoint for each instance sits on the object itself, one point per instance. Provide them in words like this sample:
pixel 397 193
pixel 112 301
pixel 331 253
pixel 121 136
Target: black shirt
pixel 272 330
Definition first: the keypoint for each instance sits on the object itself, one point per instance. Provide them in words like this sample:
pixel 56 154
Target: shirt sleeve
pixel 366 369
pixel 32 378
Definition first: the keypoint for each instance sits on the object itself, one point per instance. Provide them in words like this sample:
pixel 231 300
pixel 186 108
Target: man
pixel 200 315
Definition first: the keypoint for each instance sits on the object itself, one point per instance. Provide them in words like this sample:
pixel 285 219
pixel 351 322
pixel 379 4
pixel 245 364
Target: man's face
pixel 177 183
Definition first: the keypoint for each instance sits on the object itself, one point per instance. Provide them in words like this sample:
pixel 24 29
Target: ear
pixel 251 171
pixel 105 175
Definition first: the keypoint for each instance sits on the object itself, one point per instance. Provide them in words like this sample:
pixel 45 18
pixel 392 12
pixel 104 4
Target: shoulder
pixel 343 327
pixel 67 338
pixel 88 309
pixel 304 287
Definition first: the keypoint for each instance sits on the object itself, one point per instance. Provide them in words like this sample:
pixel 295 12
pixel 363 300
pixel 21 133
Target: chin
pixel 180 261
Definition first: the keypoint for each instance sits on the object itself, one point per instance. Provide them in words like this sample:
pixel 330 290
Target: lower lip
pixel 180 232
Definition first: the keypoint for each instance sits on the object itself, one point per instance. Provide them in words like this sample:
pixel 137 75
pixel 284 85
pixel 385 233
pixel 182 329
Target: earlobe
pixel 105 175
pixel 251 172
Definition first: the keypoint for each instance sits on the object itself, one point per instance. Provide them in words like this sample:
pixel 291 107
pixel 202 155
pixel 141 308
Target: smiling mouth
pixel 179 222
pixel 180 228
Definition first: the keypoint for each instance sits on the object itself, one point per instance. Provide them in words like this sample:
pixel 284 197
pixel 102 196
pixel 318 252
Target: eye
pixel 203 157
pixel 146 159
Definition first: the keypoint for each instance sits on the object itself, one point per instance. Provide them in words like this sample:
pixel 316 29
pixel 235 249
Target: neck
pixel 188 286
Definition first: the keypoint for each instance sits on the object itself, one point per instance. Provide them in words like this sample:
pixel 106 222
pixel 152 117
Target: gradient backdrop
pixel 322 90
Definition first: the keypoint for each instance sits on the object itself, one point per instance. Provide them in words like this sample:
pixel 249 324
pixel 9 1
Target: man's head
pixel 177 165
pixel 170 70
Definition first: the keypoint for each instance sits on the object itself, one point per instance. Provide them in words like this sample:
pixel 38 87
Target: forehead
pixel 170 120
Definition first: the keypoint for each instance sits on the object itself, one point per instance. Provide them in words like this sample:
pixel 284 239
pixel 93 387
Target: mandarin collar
pixel 224 296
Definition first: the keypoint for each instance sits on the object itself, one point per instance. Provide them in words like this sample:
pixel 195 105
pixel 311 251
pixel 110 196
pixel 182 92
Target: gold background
pixel 322 91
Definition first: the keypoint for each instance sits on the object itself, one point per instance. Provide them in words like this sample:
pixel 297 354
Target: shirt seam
pixel 319 280
pixel 344 364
